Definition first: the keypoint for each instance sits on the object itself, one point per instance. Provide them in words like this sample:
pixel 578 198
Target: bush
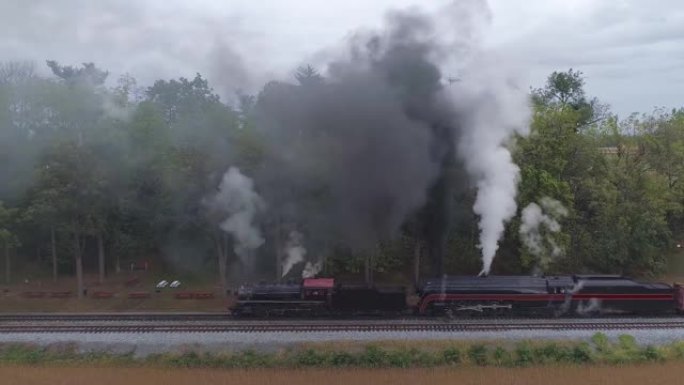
pixel 251 359
pixel 186 360
pixel 523 354
pixel 677 350
pixel 424 359
pixel 601 343
pixel 451 356
pixel 342 359
pixel 502 357
pixel 478 354
pixel 23 354
pixel 400 358
pixel 626 351
pixel 550 352
pixel 581 354
pixel 651 353
pixel 373 357
pixel 310 357
pixel 627 342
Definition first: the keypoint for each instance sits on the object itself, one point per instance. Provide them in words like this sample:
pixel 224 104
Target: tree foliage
pixel 88 171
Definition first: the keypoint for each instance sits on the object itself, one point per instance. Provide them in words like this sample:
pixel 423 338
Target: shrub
pixel 400 358
pixel 421 358
pixel 23 354
pixel 310 357
pixel 478 354
pixel 343 359
pixel 502 357
pixel 677 350
pixel 186 360
pixel 550 352
pixel 523 354
pixel 373 357
pixel 627 342
pixel 581 354
pixel 251 359
pixel 451 356
pixel 601 343
pixel 626 351
pixel 651 353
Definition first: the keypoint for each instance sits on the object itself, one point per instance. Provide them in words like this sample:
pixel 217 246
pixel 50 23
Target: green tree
pixel 69 177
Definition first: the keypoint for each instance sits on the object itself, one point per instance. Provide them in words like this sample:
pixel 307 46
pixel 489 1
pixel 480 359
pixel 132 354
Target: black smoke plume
pixel 354 154
pixel 382 139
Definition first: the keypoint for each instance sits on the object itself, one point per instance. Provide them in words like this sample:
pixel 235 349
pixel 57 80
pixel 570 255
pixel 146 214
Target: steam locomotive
pixel 586 295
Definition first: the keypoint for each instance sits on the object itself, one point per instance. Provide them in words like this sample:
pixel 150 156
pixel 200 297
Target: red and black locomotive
pixel 465 295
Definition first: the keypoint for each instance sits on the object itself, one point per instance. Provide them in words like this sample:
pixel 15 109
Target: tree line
pixel 95 176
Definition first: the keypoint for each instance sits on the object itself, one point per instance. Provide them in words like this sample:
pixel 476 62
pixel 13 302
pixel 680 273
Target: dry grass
pixel 654 374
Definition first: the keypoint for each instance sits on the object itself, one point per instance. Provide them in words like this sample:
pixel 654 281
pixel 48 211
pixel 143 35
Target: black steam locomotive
pixel 463 295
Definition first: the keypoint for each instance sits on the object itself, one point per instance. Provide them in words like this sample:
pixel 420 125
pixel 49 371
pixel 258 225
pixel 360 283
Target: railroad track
pixel 223 316
pixel 334 327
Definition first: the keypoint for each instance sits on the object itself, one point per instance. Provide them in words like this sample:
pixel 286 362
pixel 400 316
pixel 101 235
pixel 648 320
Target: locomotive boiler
pixel 556 295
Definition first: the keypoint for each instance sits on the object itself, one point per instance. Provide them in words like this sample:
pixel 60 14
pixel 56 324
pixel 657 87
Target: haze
pixel 630 51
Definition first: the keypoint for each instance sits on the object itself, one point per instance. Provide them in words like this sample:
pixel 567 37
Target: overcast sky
pixel 631 51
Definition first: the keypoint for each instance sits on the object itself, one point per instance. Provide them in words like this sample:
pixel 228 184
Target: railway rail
pixel 351 326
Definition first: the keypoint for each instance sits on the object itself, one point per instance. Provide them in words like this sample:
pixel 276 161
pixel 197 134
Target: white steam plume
pixel 539 221
pixel 294 251
pixel 497 111
pixel 312 269
pixel 237 198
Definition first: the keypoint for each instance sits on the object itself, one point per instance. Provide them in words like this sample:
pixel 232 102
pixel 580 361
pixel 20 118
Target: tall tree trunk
pixel 118 263
pixel 78 259
pixel 222 254
pixel 416 263
pixel 8 267
pixel 101 257
pixel 53 251
pixel 368 267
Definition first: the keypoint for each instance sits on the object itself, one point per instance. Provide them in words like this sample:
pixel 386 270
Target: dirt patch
pixel 37 296
pixel 654 374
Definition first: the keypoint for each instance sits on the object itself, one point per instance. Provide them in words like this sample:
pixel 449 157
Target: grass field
pixel 652 374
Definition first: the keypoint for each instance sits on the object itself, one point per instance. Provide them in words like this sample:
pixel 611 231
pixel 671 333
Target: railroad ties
pixel 305 327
